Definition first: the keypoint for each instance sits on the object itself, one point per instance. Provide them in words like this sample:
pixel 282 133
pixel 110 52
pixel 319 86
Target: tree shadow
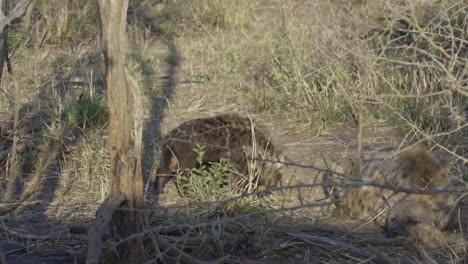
pixel 44 143
pixel 152 129
pixel 64 88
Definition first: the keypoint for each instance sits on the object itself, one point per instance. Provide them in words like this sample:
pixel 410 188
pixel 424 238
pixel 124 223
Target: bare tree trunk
pixel 125 137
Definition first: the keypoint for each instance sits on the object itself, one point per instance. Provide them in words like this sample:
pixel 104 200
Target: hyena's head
pixel 410 218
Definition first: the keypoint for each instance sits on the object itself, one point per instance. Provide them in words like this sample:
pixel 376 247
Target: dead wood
pixel 341 245
pixel 103 218
pixel 63 232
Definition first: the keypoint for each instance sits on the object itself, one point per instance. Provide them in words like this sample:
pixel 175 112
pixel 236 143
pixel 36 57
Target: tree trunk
pixel 125 146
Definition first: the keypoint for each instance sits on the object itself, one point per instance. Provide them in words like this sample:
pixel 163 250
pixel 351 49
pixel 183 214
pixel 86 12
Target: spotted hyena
pixel 230 136
pixel 400 213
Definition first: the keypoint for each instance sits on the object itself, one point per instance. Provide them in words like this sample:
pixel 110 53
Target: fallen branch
pixel 103 218
pixel 64 232
pixel 338 244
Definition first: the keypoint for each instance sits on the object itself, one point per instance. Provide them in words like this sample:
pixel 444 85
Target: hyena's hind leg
pixel 163 176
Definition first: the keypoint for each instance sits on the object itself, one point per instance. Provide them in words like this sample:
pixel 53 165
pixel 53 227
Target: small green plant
pixel 90 111
pixel 205 182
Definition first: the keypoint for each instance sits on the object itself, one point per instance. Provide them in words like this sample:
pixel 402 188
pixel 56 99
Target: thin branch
pixel 341 245
pixel 18 11
pixel 62 232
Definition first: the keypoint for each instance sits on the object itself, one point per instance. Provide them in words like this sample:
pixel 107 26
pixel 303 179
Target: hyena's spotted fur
pixel 229 136
pixel 399 213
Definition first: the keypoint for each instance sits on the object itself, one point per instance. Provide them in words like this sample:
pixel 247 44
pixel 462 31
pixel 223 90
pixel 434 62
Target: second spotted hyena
pixel 229 136
pixel 400 213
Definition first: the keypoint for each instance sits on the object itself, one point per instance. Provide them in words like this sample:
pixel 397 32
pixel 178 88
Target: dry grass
pixel 309 64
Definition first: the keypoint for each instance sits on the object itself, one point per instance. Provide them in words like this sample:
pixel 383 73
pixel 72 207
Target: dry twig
pixel 341 245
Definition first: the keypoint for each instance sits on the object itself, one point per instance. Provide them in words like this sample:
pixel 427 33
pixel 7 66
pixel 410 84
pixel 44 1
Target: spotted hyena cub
pixel 230 137
pixel 400 213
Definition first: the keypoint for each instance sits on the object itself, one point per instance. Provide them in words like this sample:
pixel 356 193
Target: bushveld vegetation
pixel 302 66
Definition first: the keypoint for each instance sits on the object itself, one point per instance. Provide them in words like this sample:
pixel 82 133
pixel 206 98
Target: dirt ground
pixel 38 231
pixel 302 147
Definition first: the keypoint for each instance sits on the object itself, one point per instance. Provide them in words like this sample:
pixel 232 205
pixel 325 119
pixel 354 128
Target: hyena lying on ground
pixel 414 215
pixel 227 136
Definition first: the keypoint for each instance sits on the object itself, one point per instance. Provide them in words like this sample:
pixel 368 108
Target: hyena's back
pixel 227 136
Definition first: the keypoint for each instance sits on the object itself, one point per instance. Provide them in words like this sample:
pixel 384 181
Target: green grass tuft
pixel 89 111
